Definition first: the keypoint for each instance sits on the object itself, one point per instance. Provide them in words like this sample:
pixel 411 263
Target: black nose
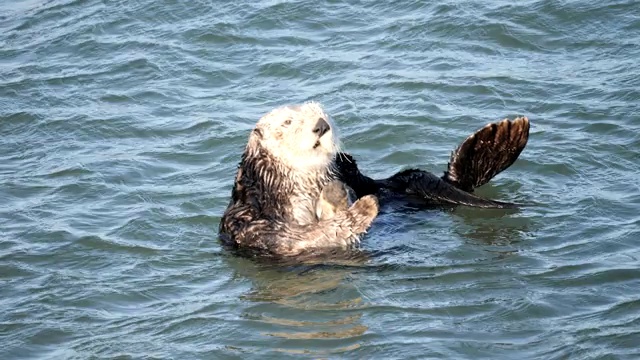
pixel 321 127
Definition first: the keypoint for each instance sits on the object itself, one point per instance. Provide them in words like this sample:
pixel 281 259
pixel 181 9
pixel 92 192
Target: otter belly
pixel 304 210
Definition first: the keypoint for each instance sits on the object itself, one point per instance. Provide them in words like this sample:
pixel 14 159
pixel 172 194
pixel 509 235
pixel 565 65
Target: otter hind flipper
pixel 429 190
pixel 486 153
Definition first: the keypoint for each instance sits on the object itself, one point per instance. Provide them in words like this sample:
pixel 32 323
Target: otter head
pixel 301 137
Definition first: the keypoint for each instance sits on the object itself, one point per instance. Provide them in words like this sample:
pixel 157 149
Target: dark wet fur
pixel 479 158
pixel 259 216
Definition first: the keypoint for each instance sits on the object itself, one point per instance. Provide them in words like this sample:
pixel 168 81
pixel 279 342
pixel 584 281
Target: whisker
pixel 339 147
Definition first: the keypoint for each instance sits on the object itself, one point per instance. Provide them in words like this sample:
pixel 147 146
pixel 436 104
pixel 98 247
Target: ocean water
pixel 122 122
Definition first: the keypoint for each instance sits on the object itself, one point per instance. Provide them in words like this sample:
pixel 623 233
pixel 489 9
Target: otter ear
pixel 258 132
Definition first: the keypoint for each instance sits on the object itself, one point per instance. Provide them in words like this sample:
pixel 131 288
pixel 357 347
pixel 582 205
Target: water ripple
pixel 121 130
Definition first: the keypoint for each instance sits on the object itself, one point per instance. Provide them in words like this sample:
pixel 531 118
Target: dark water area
pixel 122 122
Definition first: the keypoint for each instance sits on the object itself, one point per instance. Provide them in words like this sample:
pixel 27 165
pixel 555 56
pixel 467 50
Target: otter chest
pixel 304 209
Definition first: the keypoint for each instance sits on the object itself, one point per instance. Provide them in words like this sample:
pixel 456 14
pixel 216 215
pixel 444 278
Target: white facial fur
pixel 287 133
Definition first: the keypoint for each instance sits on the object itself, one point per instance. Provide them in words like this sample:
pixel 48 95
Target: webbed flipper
pixel 429 190
pixel 486 153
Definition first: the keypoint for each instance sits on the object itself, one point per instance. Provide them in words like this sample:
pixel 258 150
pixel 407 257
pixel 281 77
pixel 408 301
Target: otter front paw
pixel 363 211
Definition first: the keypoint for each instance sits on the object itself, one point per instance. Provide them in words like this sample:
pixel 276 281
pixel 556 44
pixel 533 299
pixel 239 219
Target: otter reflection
pixel 311 297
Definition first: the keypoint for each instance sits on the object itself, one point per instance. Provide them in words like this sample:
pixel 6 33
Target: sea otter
pixel 289 158
pixel 293 153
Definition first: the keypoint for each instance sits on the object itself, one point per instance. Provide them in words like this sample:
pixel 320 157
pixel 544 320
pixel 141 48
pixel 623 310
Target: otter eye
pixel 287 122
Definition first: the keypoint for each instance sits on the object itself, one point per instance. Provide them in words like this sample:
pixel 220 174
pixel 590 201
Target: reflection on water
pixel 492 229
pixel 501 230
pixel 305 298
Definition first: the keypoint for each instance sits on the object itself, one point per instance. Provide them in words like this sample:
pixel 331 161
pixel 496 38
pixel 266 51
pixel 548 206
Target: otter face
pixel 301 136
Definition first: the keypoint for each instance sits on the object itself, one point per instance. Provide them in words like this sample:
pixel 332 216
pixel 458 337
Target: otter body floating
pixel 278 202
